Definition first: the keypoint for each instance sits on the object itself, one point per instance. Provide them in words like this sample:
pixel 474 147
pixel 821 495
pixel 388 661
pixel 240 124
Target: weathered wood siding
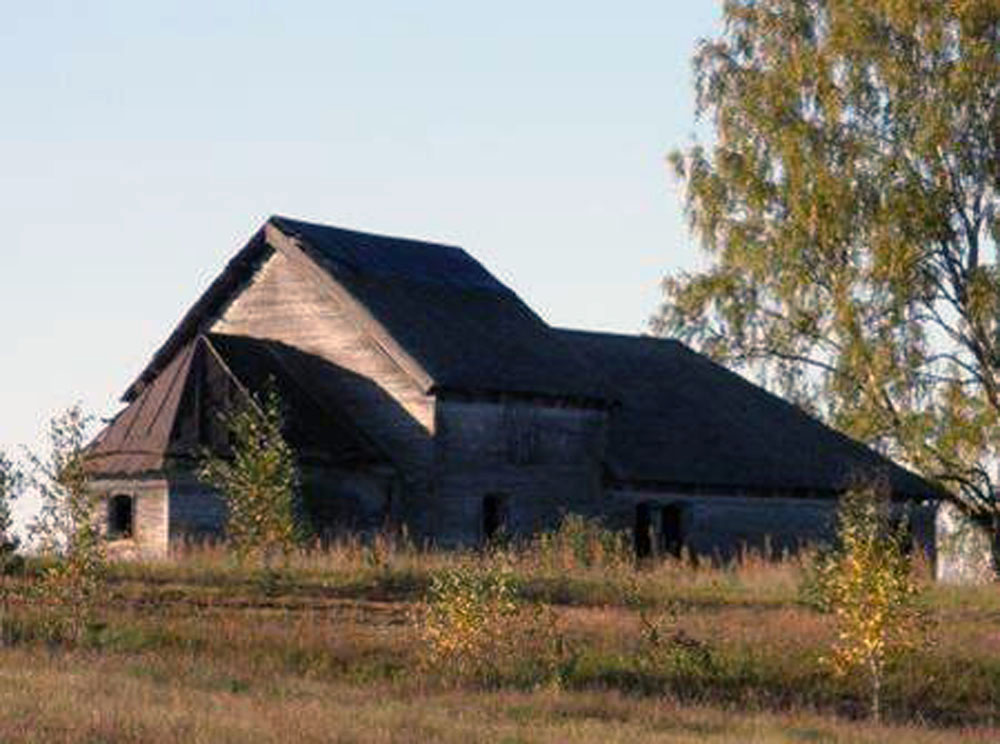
pixel 149 516
pixel 543 460
pixel 196 511
pixel 349 501
pixel 285 304
pixel 723 526
pixel 336 501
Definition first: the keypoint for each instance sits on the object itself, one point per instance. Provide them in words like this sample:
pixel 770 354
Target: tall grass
pixel 579 563
pixel 348 614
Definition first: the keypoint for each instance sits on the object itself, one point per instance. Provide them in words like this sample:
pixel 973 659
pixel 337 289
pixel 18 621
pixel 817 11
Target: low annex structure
pixel 422 391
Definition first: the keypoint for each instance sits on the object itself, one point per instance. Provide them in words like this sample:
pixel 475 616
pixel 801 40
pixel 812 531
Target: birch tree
pixel 848 204
pixel 259 481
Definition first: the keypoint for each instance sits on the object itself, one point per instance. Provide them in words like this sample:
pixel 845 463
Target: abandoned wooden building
pixel 419 390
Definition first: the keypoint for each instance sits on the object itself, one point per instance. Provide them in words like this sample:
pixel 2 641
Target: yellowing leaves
pixel 868 585
pixel 475 626
pixel 850 208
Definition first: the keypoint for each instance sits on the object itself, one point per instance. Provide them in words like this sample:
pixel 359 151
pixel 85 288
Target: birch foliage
pixel 259 481
pixel 849 209
pixel 10 483
pixel 869 587
pixel 68 529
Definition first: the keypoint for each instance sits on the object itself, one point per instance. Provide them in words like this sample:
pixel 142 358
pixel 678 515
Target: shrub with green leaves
pixel 867 582
pixel 68 530
pixel 582 542
pixel 475 626
pixel 259 481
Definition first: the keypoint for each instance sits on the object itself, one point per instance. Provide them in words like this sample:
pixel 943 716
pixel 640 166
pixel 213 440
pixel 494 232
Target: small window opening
pixel 495 516
pixel 120 516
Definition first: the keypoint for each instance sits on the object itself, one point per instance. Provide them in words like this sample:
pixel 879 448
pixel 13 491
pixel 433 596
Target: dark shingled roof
pixel 138 440
pixel 687 421
pixel 348 253
pixel 682 421
pixel 465 330
pixel 157 430
pixel 456 320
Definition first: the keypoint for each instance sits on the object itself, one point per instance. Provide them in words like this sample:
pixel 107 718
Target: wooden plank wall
pixel 196 512
pixel 545 460
pixel 149 519
pixel 284 304
pixel 724 525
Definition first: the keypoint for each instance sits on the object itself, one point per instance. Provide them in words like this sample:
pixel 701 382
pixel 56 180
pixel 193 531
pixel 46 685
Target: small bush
pixel 665 649
pixel 867 582
pixel 259 481
pixel 583 543
pixel 476 627
pixel 73 584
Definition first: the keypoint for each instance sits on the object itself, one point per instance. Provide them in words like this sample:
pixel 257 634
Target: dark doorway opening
pixel 672 530
pixel 643 533
pixel 495 516
pixel 120 516
pixel 659 529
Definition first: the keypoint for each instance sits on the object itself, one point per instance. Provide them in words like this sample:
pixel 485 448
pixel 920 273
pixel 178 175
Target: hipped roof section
pixel 442 317
pixel 150 435
pixel 687 421
pixel 138 440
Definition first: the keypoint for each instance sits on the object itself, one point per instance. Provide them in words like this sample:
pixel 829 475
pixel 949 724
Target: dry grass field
pixel 199 649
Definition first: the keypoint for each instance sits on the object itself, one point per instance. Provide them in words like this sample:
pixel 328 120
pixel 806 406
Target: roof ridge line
pixel 277 218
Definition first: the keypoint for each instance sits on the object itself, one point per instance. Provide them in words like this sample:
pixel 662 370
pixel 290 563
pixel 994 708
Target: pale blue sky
pixel 140 146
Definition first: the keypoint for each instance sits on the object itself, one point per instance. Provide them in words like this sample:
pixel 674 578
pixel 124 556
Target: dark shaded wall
pixel 340 502
pixel 531 461
pixel 724 526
